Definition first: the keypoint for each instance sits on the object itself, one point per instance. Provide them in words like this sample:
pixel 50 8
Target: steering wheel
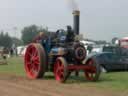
pixel 59 31
pixel 61 35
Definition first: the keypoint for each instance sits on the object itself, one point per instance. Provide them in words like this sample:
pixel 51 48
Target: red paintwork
pixel 80 67
pixel 59 70
pixel 89 69
pixel 125 47
pixel 123 40
pixel 32 61
pixel 90 74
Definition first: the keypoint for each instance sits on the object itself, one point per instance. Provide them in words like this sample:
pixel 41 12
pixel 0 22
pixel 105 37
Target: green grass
pixel 114 81
pixel 14 66
pixel 118 81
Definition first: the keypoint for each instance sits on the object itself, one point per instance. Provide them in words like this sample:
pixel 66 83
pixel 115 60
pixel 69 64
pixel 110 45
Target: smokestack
pixel 76 24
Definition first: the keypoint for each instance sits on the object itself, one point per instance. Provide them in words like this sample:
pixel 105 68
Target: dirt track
pixel 11 85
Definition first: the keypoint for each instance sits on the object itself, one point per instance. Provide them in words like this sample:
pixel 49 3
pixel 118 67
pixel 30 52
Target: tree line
pixel 7 41
pixel 27 35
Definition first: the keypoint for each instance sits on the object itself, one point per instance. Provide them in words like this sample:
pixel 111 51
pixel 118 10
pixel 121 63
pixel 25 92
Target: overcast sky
pixel 100 19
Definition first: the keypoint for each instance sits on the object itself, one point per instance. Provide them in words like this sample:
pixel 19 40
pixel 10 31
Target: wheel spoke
pixel 59 63
pixel 36 67
pixel 57 71
pixel 35 54
pixel 28 64
pixel 89 76
pixel 33 69
pixel 62 74
pixel 29 67
pixel 36 60
pixel 29 54
pixel 61 67
pixel 36 63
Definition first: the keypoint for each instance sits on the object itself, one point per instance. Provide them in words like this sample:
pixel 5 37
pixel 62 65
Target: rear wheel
pixel 93 71
pixel 35 61
pixel 60 69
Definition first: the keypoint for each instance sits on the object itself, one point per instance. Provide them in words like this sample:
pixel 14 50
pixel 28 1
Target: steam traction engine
pixel 60 54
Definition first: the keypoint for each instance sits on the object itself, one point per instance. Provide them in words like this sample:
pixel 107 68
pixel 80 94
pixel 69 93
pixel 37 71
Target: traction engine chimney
pixel 76 22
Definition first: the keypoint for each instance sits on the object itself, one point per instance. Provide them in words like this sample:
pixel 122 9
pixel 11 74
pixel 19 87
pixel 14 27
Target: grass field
pixel 114 81
pixel 14 66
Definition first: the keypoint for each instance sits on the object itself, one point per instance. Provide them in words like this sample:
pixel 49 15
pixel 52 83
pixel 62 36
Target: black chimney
pixel 76 14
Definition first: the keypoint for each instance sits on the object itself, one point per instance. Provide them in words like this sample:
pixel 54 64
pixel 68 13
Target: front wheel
pixel 60 69
pixel 93 71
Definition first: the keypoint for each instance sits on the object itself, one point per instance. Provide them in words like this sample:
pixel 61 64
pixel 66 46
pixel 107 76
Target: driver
pixel 41 36
pixel 70 34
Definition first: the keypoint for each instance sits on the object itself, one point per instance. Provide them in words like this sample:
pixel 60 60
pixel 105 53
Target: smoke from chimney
pixel 73 5
pixel 76 15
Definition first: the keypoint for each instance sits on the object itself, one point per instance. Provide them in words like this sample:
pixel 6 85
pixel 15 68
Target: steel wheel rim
pixel 32 61
pixel 59 71
pixel 91 72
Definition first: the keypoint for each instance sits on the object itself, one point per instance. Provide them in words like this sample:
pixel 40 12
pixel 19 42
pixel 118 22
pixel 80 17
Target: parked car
pixel 112 58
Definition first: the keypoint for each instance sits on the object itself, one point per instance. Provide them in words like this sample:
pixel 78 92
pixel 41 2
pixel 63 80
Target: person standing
pixel 11 52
